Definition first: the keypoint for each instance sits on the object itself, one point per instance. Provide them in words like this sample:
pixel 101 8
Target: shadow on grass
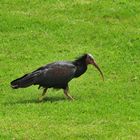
pixel 29 101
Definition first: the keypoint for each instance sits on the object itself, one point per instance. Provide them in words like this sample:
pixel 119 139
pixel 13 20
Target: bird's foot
pixel 41 99
pixel 70 98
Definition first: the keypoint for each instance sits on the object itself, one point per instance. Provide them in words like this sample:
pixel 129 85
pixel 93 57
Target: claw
pixel 40 99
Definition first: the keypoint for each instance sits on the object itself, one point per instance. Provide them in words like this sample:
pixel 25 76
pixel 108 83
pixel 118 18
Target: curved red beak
pixel 94 64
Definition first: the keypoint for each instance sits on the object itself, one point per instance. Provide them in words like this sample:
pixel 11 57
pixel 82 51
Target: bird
pixel 56 75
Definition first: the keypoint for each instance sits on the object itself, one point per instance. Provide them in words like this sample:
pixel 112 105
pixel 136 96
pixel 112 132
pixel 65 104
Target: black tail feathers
pixel 23 82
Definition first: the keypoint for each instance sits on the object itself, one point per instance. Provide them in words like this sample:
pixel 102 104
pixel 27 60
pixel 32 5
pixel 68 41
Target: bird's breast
pixel 80 70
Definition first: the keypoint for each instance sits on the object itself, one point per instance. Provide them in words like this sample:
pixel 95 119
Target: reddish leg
pixel 43 95
pixel 67 94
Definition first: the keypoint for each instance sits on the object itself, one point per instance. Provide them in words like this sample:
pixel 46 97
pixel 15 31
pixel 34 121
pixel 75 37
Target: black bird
pixel 56 75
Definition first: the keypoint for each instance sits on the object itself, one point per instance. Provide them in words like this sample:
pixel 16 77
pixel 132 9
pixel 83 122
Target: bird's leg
pixel 66 93
pixel 43 94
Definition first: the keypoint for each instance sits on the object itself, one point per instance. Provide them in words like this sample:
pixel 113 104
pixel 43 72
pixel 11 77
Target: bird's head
pixel 90 60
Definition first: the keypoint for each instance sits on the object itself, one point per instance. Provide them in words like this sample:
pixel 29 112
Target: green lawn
pixel 37 32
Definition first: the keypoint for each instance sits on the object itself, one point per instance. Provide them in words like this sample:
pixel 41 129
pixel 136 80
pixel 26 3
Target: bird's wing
pixel 58 72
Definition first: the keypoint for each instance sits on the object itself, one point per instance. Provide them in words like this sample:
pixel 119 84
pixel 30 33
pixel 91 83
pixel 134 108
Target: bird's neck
pixel 81 68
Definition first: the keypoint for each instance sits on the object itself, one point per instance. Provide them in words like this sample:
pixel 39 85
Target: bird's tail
pixel 23 82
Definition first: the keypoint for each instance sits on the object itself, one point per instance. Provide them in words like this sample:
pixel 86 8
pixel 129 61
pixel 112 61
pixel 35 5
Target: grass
pixel 36 32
